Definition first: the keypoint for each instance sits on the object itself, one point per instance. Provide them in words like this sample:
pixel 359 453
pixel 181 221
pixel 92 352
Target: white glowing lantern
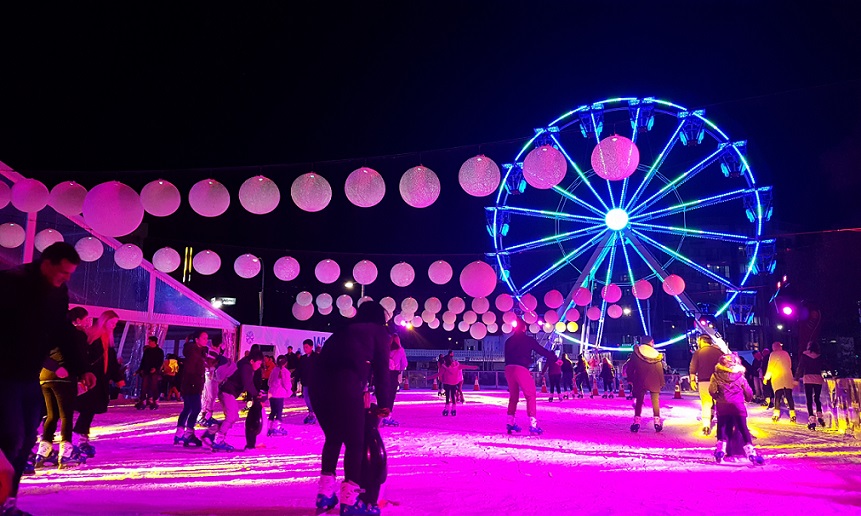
pixel 547 327
pixel 440 272
pixel 365 272
pixel 480 305
pixel 593 313
pixel 324 311
pixel 478 279
pixel 311 192
pixel 344 302
pixel 530 317
pixel 509 317
pixel 611 293
pixel 45 238
pixel 259 195
pixel 160 198
pixel 302 313
pixel 449 317
pixel 365 187
pixel 5 194
pixel 327 271
pixel 674 285
pixel 417 321
pixel 544 167
pixel 553 299
pixel 433 324
pixel 113 209
pixel 506 328
pixel 456 305
pixel 478 331
pixel 349 313
pixel 209 198
pixel 504 302
pixel 572 314
pixel 247 266
pixel 324 300
pixel 614 311
pixel 304 298
pixel 470 317
pixel 286 268
pixel 528 302
pixel 409 305
pixel 29 195
pixel 488 318
pixel 128 256
pixel 433 305
pixel 419 187
pixel 399 320
pixel 89 249
pixel 402 274
pixel 448 326
pixel 479 176
pixel 550 316
pixel 534 328
pixel 615 158
pixel 582 296
pixel 363 299
pixel 428 316
pixel 166 259
pixel 463 326
pixel 11 235
pixel 560 327
pixel 642 289
pixel 206 262
pixel 572 326
pixel 492 328
pixel 389 304
pixel 67 198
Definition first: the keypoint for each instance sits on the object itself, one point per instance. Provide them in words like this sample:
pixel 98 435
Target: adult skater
pixel 567 375
pixel 397 365
pixel 702 368
pixel 214 352
pixel 518 358
pixel 151 362
pixel 241 381
pixel 279 387
pixel 767 391
pixel 646 374
pixel 730 391
pixel 305 370
pixel 779 373
pixel 191 387
pixel 451 375
pixel 339 384
pixel 554 378
pixel 581 374
pixel 810 367
pixel 754 376
pixel 608 377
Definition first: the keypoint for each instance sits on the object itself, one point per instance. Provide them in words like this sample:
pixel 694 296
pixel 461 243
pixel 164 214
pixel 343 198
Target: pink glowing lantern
pixel 286 268
pixel 509 317
pixel 29 195
pixel 492 328
pixel 504 302
pixel 611 293
pixel 402 274
pixel 550 316
pixel 160 198
pixel 479 176
pixel 449 317
pixel 488 318
pixel 259 195
pixel 440 272
pixel 113 209
pixel 456 305
pixel 389 304
pixel 463 326
pixel 311 192
pixel 448 326
pixel 428 316
pixel 327 271
pixel 614 311
pixel 45 238
pixel 209 198
pixel 365 187
pixel 478 279
pixel 553 299
pixel 419 187
pixel 433 305
pixel 365 272
pixel 534 328
pixel 399 320
pixel 409 305
pixel 324 300
pixel 206 262
pixel 593 313
pixel 89 249
pixel 302 313
pixel 67 198
pixel 247 266
pixel 5 194
pixel 417 321
pixel 615 158
pixel 324 311
pixel 166 259
pixel 11 235
pixel 470 317
pixel 572 314
pixel 528 302
pixel 478 331
pixel 480 305
pixel 349 313
pixel 582 296
pixel 674 285
pixel 560 327
pixel 433 324
pixel 364 299
pixel 128 256
pixel 304 298
pixel 642 289
pixel 344 302
pixel 544 167
pixel 530 317
pixel 506 328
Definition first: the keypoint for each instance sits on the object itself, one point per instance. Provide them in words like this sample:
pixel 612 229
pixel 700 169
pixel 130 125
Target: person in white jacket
pixel 397 365
pixel 779 372
pixel 279 388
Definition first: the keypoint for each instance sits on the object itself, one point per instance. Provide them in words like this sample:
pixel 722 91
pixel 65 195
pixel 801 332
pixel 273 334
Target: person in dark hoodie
pixel 151 362
pixel 645 373
pixel 554 378
pixel 241 381
pixel 730 391
pixel 809 370
pixel 191 381
pixel 608 377
pixel 567 375
pixel 581 374
pixel 518 357
pixel 702 368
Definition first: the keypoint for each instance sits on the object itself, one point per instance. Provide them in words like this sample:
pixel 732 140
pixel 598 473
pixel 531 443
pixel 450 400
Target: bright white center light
pixel 616 219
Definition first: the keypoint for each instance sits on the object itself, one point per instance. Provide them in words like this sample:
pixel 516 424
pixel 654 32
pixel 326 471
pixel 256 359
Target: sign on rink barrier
pixel 841 405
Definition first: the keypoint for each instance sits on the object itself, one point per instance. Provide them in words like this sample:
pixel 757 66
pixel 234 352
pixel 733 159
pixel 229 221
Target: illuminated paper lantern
pixel 440 272
pixel 534 328
pixel 417 321
pixel 324 300
pixel 547 327
pixel 5 194
pixel 582 296
pixel 544 167
pixel 479 176
pixel 302 313
pixel 324 311
pixel 593 313
pixel 433 305
pixel 166 259
pixel 551 317
pixel 365 272
pixel 206 262
pixel 492 328
pixel 506 328
pixel 611 293
pixel 11 235
pixel 433 324
pixel 160 198
pixel 560 327
pixel 553 299
pixel 488 318
pixel 389 304
pixel 478 331
pixel 349 313
pixel 449 317
pixel 89 249
pixel 463 326
pixel 614 311
pixel 113 209
pixel 478 279
pixel 504 302
pixel 419 187
pixel 528 302
pixel 128 256
pixel 344 302
pixel 448 326
pixel 409 305
pixel 530 317
pixel 402 274
pixel 674 285
pixel 67 198
pixel 365 187
pixel 572 326
pixel 362 300
pixel 327 271
pixel 456 305
pixel 572 314
pixel 209 198
pixel 304 298
pixel 45 238
pixel 470 317
pixel 247 266
pixel 259 195
pixel 642 289
pixel 311 192
pixel 615 158
pixel 286 268
pixel 509 317
pixel 428 316
pixel 29 195
pixel 480 305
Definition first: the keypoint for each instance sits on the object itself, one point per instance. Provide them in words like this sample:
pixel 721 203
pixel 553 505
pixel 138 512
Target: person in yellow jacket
pixel 779 372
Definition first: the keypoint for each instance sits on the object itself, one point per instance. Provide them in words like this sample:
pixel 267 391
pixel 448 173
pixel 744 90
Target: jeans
pixel 781 393
pixel 450 393
pixel 84 422
pixel 519 379
pixel 276 406
pixel 342 419
pixel 726 425
pixel 812 391
pixel 190 411
pixel 149 389
pixel 231 412
pixel 60 402
pixel 306 394
pixel 21 405
pixel 555 384
pixel 639 396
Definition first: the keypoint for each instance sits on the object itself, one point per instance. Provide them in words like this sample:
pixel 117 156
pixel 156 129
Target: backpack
pixel 225 370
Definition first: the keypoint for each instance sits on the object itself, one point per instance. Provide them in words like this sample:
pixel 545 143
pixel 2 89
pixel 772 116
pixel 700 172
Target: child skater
pixel 450 376
pixel 730 391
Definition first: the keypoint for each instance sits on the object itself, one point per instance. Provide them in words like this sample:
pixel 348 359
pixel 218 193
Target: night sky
pixel 188 91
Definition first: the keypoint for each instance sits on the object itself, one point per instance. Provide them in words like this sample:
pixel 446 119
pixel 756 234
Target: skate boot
pixel 191 440
pixel 84 445
pixel 220 445
pixel 444 412
pixel 707 430
pixel 819 419
pixel 179 437
pixel 659 425
pixel 153 405
pixel 453 412
pixel 208 438
pixel 326 497
pixel 792 417
pixel 755 459
pixel 811 423
pixel 351 505
pixel 511 425
pixel 70 456
pixel 534 428
pixel 46 450
pixel 610 396
pixel 390 421
pixel 775 415
pixel 550 399
pixel 9 508
pixel 636 426
pixel 140 405
pixel 720 451
pixel 273 428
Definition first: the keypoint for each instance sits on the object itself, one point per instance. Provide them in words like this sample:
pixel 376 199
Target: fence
pixel 496 379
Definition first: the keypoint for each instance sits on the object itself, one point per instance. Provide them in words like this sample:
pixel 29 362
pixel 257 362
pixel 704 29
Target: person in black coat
pixel 149 371
pixel 305 371
pixel 241 381
pixel 191 379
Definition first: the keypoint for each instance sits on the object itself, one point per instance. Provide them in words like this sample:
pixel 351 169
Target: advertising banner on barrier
pixel 274 341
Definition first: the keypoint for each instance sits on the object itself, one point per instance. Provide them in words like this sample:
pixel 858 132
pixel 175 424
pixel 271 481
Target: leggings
pixel 555 383
pixel 60 402
pixel 812 392
pixel 276 405
pixel 393 385
pixel 450 393
pixel 190 411
pixel 84 422
pixel 609 385
pixel 567 382
pixel 638 403
pixel 342 419
pixel 149 388
pixel 727 424
pixel 780 393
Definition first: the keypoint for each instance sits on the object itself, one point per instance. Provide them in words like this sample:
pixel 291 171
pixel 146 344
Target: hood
pixel 811 354
pixel 729 374
pixel 647 354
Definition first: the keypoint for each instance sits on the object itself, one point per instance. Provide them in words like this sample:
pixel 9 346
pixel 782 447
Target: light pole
pixel 260 294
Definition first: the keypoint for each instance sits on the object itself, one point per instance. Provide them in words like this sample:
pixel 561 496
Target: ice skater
pixel 397 367
pixel 567 375
pixel 581 374
pixel 646 374
pixel 779 373
pixel 702 368
pixel 305 371
pixel 608 377
pixel 554 379
pixel 190 387
pixel 518 358
pixel 279 389
pixel 730 391
pixel 241 381
pixel 151 362
pixel 451 375
pixel 810 367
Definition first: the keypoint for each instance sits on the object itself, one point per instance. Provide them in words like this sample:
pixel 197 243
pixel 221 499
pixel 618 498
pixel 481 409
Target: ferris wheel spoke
pixel 579 172
pixel 555 239
pixel 682 258
pixel 607 279
pixel 680 180
pixel 655 167
pixel 562 262
pixel 649 259
pixel 631 278
pixel 568 195
pixel 544 214
pixel 696 233
pixel 693 205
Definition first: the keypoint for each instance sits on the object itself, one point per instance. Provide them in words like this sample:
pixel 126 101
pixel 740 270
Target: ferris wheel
pixel 623 193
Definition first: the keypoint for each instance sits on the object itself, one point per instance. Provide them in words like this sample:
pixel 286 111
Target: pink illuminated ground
pixel 587 462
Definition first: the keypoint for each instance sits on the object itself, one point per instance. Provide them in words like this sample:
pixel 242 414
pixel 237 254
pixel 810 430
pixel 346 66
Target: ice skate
pixel 390 421
pixel 610 396
pixel 550 399
pixel 140 405
pixel 811 423
pixel 84 445
pixel 659 425
pixel 351 505
pixel 179 437
pixel 208 438
pixel 453 412
pixel 776 415
pixel 326 497
pixel 534 428
pixel 45 456
pixel 220 445
pixel 792 417
pixel 70 456
pixel 10 508
pixel 445 411
pixel 819 419
pixel 707 430
pixel 153 405
pixel 720 451
pixel 755 459
pixel 635 427
pixel 512 427
pixel 190 440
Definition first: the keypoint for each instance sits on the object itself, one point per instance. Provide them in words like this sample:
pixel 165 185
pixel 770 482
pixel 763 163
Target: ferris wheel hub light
pixel 616 219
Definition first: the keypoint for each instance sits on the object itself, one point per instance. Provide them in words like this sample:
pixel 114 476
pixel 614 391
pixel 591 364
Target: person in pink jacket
pixel 730 391
pixel 779 372
pixel 450 375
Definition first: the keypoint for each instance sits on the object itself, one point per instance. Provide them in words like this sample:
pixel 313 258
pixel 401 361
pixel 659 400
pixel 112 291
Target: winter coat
pixel 730 390
pixel 779 370
pixel 704 361
pixel 153 358
pixel 305 369
pixel 567 368
pixel 608 373
pixel 242 380
pixel 397 360
pixel 553 369
pixel 56 360
pixel 292 361
pixel 451 375
pixel 644 369
pixel 95 400
pixel 810 367
pixel 280 383
pixel 193 369
pixel 580 368
pixel 519 348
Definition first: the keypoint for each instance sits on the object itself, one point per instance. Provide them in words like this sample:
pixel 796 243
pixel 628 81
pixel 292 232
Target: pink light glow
pixel 787 310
